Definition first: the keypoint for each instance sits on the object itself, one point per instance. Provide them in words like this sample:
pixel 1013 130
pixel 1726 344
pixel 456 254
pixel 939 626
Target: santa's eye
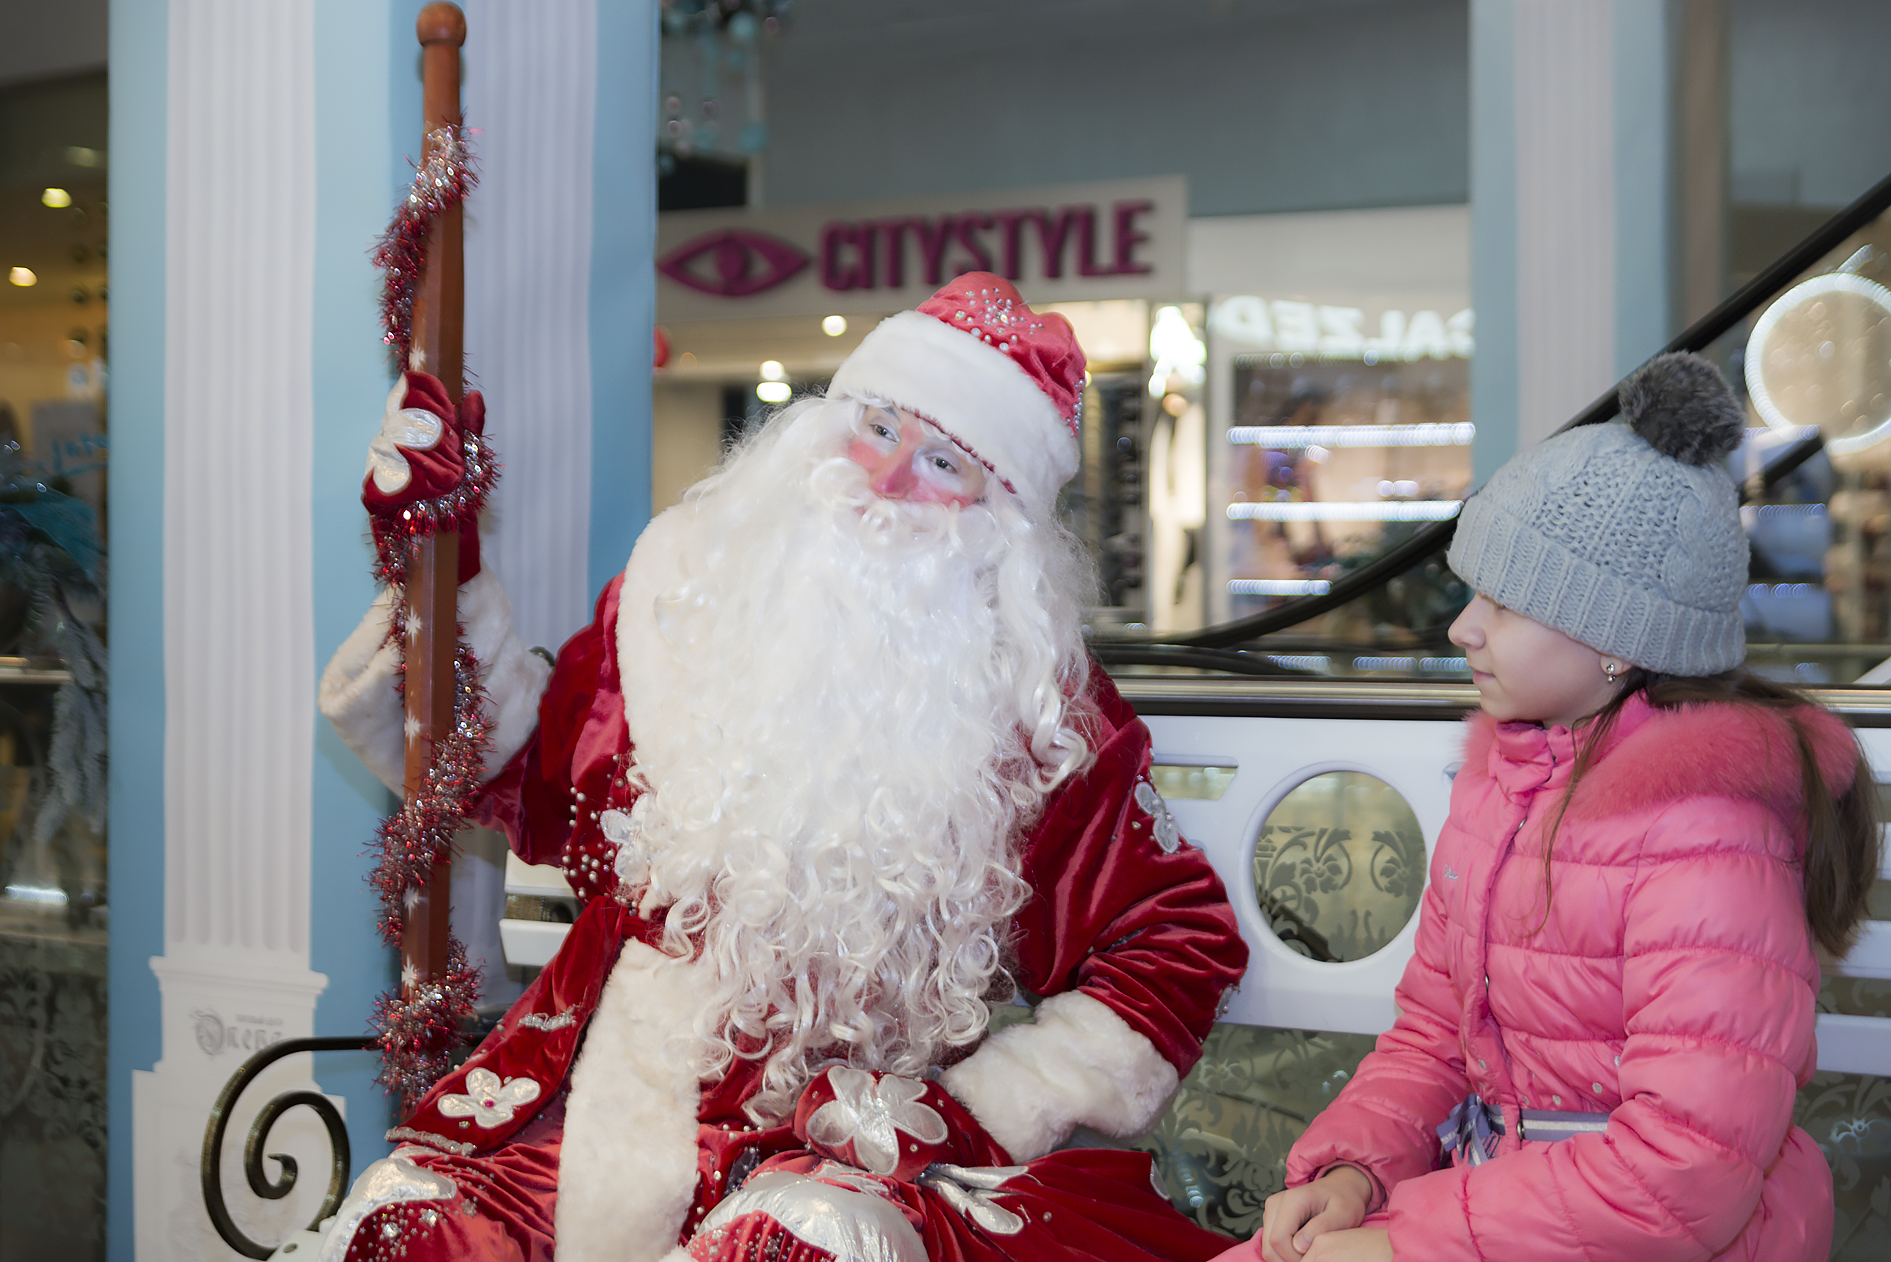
pixel 944 465
pixel 882 432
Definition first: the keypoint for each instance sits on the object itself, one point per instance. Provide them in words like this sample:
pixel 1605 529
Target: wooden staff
pixel 433 566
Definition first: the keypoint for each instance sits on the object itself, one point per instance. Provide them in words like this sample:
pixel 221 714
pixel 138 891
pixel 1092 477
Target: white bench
pixel 1256 759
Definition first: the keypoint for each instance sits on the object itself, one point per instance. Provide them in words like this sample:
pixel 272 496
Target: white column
pixel 531 92
pixel 1571 126
pixel 238 643
pixel 1565 174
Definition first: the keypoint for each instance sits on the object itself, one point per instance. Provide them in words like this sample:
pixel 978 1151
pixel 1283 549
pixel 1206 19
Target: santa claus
pixel 835 775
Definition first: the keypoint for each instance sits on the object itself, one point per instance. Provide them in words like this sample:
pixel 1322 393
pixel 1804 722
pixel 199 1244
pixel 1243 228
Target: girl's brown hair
pixel 1842 840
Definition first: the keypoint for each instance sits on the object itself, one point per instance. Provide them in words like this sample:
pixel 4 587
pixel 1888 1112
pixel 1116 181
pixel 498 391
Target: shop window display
pixel 53 917
pixel 1331 462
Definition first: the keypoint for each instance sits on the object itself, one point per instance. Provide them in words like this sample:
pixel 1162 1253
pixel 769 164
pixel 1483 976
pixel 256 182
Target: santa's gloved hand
pixel 420 455
pixel 888 1125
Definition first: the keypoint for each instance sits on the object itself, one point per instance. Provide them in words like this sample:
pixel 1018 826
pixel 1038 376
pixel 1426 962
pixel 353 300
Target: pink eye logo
pixel 733 263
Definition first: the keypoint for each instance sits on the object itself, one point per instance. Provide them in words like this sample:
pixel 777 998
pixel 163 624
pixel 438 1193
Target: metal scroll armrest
pixel 210 1169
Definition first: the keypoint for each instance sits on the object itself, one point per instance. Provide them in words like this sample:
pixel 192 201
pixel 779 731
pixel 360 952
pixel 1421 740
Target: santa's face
pixel 906 458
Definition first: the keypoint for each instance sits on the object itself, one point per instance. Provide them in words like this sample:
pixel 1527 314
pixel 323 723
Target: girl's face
pixel 1527 672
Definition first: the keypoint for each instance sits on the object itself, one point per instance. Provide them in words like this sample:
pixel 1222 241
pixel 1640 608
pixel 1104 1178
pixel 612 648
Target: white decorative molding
pixel 531 91
pixel 1565 171
pixel 239 658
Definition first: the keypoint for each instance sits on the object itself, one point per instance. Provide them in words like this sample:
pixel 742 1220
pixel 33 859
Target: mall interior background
pixel 1586 176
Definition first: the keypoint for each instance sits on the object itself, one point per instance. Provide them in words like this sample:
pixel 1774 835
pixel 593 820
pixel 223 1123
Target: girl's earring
pixel 1609 669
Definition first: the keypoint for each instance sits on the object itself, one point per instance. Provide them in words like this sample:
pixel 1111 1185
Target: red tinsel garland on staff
pixel 421 1024
pixel 441 182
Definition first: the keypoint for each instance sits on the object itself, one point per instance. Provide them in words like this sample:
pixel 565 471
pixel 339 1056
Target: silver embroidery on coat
pixel 390 1180
pixel 543 1021
pixel 428 1137
pixel 871 1114
pixel 973 1191
pixel 1168 836
pixel 853 1225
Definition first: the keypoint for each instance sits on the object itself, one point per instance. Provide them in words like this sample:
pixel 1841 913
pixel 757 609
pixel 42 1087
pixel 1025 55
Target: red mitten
pixel 890 1126
pixel 419 455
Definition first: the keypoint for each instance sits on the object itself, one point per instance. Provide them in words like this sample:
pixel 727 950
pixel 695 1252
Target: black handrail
pixel 1435 537
pixel 1232 661
pixel 210 1170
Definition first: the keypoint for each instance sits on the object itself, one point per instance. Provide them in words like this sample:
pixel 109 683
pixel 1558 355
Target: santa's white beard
pixel 864 702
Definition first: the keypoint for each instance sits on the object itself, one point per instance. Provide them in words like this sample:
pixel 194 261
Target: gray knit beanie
pixel 1625 536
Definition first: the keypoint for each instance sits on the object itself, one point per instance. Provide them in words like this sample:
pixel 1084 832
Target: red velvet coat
pixel 1119 914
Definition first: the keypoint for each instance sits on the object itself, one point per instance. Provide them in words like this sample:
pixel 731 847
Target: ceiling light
pixel 773 371
pixel 774 391
pixel 23 276
pixel 57 198
pixel 834 326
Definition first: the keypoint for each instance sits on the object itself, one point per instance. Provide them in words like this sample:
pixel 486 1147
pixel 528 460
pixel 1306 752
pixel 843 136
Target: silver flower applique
pixel 488 1101
pixel 413 428
pixel 871 1114
pixel 1168 836
pixel 624 830
pixel 973 1192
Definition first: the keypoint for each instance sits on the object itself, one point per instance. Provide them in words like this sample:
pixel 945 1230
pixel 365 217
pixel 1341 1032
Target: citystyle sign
pixel 1109 240
pixel 872 253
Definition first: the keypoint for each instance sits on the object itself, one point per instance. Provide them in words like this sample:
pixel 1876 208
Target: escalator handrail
pixel 1435 537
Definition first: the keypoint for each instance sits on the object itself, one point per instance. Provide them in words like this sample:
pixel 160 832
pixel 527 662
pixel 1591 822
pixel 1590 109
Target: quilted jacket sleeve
pixel 1384 1120
pixel 1718 987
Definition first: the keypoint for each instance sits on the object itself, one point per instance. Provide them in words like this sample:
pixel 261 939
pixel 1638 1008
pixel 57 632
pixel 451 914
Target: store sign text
pixel 875 253
pixel 1340 332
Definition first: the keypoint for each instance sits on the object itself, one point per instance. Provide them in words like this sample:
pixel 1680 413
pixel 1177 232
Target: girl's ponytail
pixel 1842 836
pixel 1842 850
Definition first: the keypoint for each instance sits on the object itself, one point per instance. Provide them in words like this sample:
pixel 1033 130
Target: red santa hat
pixel 1002 381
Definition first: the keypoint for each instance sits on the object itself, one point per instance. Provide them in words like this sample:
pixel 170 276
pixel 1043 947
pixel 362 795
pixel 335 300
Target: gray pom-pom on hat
pixel 1684 409
pixel 1625 536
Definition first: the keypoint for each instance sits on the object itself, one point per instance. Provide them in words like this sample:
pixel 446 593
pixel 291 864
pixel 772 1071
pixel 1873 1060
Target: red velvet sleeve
pixel 1146 932
pixel 578 747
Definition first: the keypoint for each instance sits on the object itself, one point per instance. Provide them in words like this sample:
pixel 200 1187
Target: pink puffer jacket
pixel 1671 985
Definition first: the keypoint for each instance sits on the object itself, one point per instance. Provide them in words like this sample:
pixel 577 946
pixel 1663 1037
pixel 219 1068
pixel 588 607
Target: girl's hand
pixel 1294 1221
pixel 1361 1244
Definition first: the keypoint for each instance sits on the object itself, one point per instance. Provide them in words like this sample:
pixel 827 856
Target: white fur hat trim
pixel 976 393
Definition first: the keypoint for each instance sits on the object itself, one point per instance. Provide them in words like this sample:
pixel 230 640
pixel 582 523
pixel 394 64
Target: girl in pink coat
pixel 1610 1006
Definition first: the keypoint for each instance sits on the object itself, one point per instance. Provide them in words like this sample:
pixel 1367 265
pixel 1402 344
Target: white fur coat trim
pixel 1076 1063
pixel 357 693
pixel 643 658
pixel 627 1165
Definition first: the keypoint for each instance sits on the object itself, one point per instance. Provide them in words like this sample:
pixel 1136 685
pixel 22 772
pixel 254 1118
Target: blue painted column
pixel 367 110
pixel 623 282
pixel 139 33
